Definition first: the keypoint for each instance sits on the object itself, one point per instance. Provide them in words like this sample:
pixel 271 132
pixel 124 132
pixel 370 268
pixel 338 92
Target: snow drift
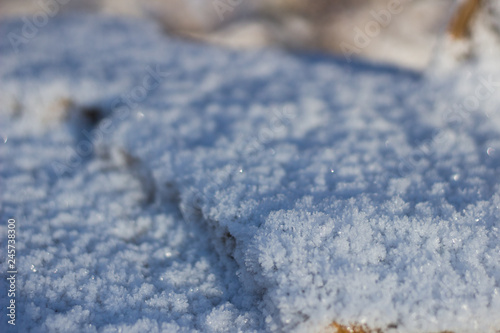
pixel 165 186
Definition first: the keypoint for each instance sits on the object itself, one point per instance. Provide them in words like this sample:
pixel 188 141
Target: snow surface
pixel 246 191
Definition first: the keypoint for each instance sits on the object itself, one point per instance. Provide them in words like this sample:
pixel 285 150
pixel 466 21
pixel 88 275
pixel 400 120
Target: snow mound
pixel 164 186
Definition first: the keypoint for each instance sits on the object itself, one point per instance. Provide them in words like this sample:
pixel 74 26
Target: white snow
pixel 165 186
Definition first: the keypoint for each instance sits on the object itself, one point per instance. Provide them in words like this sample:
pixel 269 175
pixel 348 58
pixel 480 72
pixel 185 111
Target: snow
pixel 165 186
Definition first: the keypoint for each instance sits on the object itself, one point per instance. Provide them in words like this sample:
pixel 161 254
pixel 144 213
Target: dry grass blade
pixel 357 328
pixel 353 328
pixel 460 24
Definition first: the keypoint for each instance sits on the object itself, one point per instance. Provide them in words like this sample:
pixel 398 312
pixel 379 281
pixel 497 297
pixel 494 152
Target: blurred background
pixel 403 32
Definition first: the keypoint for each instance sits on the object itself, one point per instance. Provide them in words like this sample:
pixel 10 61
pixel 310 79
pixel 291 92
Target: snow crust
pixel 255 191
